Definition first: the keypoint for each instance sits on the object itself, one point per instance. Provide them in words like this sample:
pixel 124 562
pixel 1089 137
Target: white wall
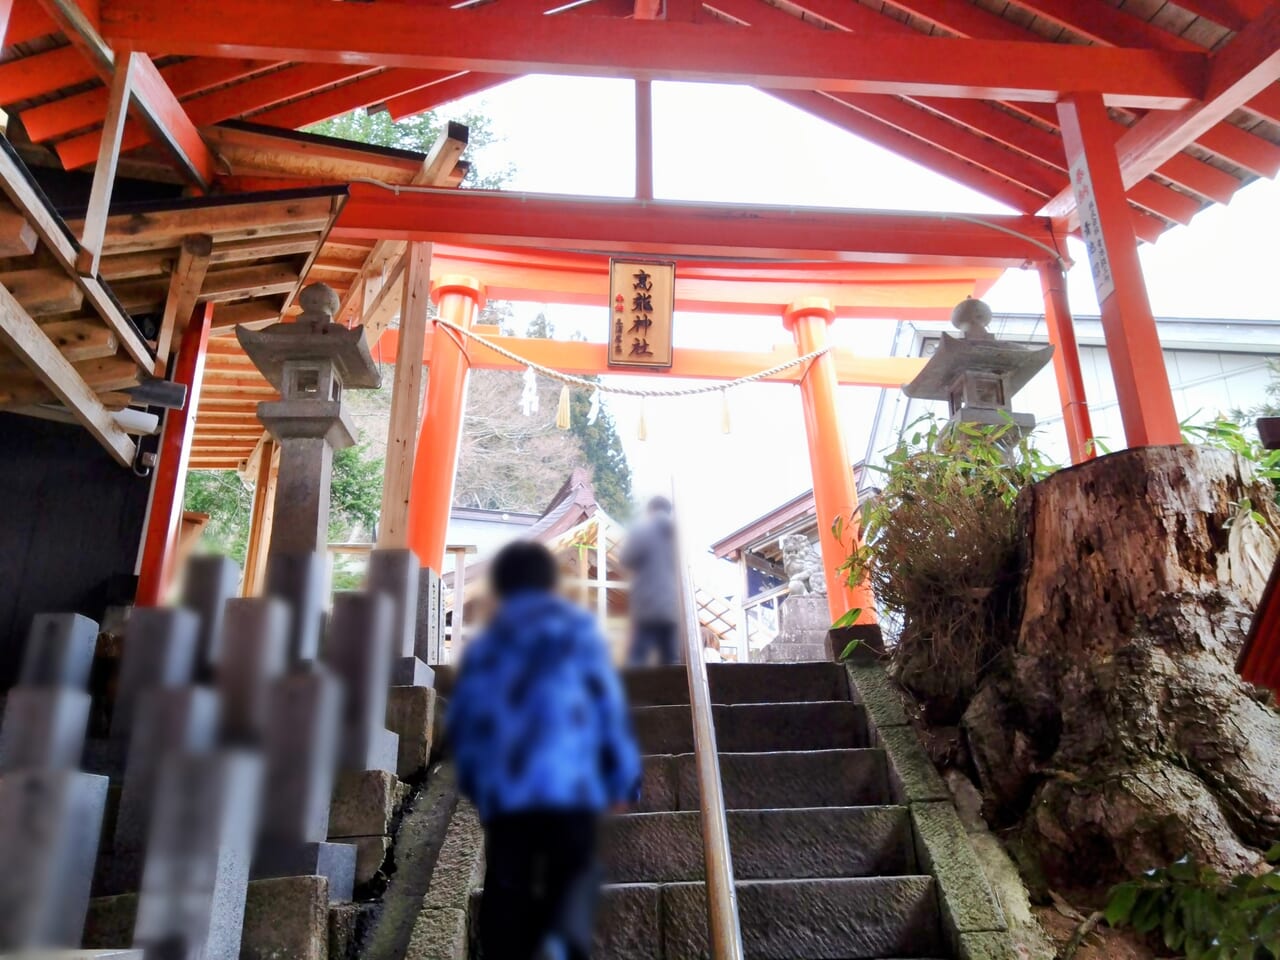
pixel 1214 367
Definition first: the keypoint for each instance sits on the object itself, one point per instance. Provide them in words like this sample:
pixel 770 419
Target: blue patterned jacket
pixel 538 718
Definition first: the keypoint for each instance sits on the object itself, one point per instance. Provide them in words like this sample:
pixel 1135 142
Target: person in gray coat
pixel 650 555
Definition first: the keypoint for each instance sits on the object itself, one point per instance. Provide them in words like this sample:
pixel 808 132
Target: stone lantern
pixel 311 362
pixel 977 374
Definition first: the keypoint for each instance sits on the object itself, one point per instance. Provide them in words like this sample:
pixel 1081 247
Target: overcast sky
pixel 734 144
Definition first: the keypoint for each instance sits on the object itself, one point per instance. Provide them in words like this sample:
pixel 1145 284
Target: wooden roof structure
pixel 206 97
pixel 290 64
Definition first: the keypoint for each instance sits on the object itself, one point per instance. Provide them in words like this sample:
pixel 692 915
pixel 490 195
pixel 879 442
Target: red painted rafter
pixel 27 22
pixel 402 90
pixel 938 136
pixel 363 92
pixel 1103 23
pixel 1234 14
pixel 913 148
pixel 186 79
pixel 966 20
pixel 1250 62
pixel 1194 175
pixel 434 38
pixel 44 72
pixel 981 118
pixel 446 91
pixel 150 99
pixel 1042 145
pixel 223 104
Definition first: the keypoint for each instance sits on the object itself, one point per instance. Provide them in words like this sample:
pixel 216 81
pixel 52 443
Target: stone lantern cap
pixel 344 347
pixel 977 352
pixel 312 337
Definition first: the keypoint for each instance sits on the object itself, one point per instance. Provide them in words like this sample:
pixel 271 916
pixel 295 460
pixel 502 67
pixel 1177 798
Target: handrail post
pixel 722 896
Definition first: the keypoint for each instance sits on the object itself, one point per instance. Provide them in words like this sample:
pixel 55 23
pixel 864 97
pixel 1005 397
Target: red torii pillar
pixel 435 464
pixel 834 492
pixel 1066 362
pixel 1133 345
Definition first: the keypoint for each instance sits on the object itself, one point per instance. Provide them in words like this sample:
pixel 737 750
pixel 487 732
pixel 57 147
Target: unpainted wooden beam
pixel 49 228
pixel 402 426
pixel 22 335
pixel 17 237
pixel 81 339
pixel 238 283
pixel 185 284
pixel 104 173
pixel 437 171
pixel 43 291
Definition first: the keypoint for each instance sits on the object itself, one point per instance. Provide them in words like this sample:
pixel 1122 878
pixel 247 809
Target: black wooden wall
pixel 70 523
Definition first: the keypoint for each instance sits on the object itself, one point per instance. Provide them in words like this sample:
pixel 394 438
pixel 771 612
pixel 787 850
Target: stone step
pixel 740 683
pixel 756 727
pixel 800 843
pixel 858 918
pixel 753 781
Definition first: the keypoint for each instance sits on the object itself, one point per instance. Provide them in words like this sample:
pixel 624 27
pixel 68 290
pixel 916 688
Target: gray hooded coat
pixel 650 555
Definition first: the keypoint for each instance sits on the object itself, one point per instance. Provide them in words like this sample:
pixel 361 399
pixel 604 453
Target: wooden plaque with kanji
pixel 641 304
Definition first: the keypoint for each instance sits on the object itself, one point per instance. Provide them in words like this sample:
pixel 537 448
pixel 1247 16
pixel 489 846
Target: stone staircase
pixel 845 841
pixel 824 859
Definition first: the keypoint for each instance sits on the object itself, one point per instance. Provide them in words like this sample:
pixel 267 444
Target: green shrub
pixel 939 543
pixel 1202 915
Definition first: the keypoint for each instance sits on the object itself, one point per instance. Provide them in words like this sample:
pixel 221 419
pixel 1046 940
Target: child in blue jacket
pixel 542 741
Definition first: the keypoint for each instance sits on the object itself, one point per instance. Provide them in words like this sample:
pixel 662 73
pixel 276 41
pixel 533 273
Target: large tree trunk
pixel 1116 736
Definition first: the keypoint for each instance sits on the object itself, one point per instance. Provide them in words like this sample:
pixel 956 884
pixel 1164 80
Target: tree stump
pixel 1116 736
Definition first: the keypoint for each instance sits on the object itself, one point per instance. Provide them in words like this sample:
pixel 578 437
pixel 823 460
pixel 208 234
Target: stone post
pixel 159 651
pixel 358 650
pixel 209 582
pixel 255 635
pixel 50 812
pixel 304 715
pixel 191 906
pixel 394 573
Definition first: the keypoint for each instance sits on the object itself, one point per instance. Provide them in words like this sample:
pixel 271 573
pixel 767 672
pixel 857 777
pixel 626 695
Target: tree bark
pixel 1116 735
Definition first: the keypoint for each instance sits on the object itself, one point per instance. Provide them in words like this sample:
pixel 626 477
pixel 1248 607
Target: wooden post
pixel 436 460
pixel 744 635
pixel 457 632
pixel 104 174
pixel 1066 362
pixel 602 572
pixel 402 430
pixel 644 140
pixel 1133 344
pixel 160 539
pixel 264 489
pixel 834 491
pixel 185 284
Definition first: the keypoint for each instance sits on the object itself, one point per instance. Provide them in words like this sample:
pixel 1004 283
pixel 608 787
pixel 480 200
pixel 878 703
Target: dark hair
pixel 523 565
pixel 660 504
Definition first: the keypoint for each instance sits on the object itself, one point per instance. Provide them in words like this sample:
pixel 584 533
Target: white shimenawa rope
pixel 553 374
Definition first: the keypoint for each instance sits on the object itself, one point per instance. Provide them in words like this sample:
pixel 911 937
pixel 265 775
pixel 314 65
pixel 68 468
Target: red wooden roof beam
pixel 434 38
pixel 482 218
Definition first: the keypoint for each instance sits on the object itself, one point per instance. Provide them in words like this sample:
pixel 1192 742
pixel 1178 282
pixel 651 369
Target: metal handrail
pixel 722 896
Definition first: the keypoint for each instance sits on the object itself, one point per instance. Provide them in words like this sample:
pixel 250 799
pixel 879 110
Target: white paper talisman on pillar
pixel 1091 229
pixel 641 305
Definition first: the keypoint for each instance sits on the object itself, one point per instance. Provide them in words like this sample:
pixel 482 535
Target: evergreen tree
pixel 601 445
pixel 602 449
